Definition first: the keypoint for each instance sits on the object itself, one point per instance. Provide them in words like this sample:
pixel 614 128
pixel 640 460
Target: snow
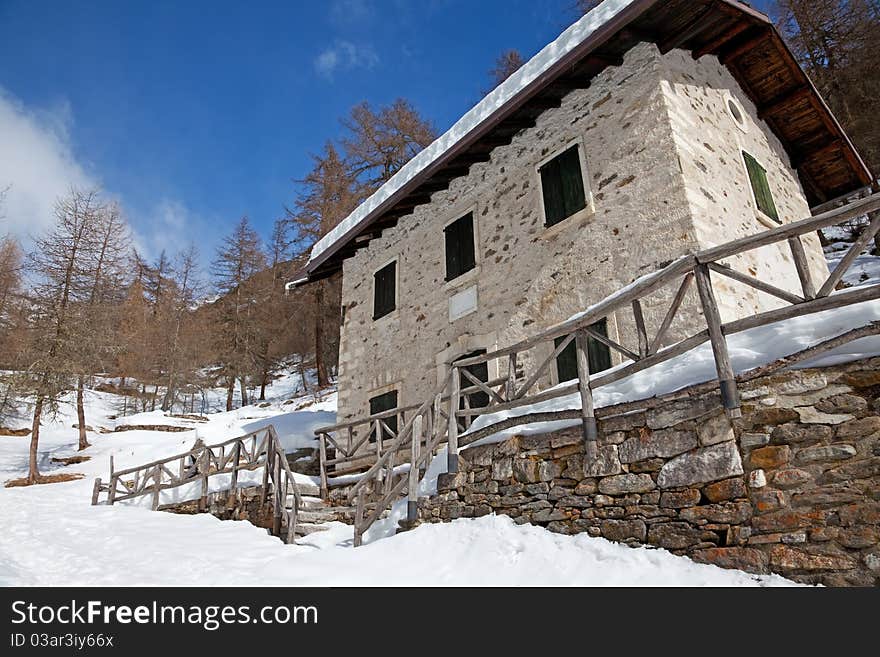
pixel 500 96
pixel 748 349
pixel 54 537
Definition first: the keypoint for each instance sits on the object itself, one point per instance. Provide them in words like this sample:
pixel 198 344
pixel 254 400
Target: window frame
pixel 396 262
pixel 762 216
pixel 376 395
pixel 589 201
pixel 470 273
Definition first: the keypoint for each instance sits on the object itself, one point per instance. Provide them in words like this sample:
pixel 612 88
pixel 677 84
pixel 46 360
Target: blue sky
pixel 195 113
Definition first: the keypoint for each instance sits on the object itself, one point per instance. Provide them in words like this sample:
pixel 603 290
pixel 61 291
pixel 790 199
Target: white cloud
pixel 37 163
pixel 346 12
pixel 345 56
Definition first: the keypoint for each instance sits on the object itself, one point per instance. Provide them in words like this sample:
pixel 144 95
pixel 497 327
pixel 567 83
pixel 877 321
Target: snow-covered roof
pixel 500 96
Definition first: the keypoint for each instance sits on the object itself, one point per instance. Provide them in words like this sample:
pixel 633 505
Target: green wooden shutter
pixel 562 185
pixel 572 181
pixel 384 284
pixel 599 354
pixel 384 402
pixel 551 188
pixel 481 372
pixel 566 361
pixel 460 257
pixel 760 187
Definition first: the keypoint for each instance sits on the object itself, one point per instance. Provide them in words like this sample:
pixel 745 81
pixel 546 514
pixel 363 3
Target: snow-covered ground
pixel 53 536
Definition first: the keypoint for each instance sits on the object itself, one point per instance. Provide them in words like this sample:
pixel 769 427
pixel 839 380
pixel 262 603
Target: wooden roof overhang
pixel 743 39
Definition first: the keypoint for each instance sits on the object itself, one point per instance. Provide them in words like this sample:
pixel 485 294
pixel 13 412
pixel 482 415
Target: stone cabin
pixel 647 131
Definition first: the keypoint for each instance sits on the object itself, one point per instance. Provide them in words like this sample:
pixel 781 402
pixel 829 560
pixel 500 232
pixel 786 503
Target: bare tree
pixel 238 260
pixel 508 63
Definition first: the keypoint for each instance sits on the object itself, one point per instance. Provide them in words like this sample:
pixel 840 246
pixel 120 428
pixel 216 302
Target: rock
pixel 626 483
pixel 566 437
pixel 586 487
pixel 549 470
pixel 676 535
pixel 769 500
pixel 824 496
pixel 757 479
pixel 733 513
pixel 623 530
pixel 843 403
pixel 750 560
pixel 537 489
pixel 859 428
pixel 858 537
pixel 449 481
pixel 680 411
pixel 680 499
pixel 725 490
pixel 525 470
pixel 872 561
pixel 864 379
pixel 606 463
pixel 867 513
pixel 754 439
pixel 862 469
pixel 791 477
pixel 787 520
pixel 574 466
pixel 549 515
pixel 799 382
pixel 621 423
pixel 700 466
pixel 798 433
pixel 502 469
pixel 771 456
pixel 825 453
pixel 787 558
pixel 537 445
pixel 717 429
pixel 809 415
pixel 648 465
pixel 768 416
pixel 662 443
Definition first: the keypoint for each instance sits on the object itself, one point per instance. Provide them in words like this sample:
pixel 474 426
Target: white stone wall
pixel 644 212
pixel 718 190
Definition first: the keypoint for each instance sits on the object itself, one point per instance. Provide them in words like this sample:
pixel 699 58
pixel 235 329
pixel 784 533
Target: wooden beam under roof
pixel 710 47
pixel 744 46
pixel 701 22
pixel 783 100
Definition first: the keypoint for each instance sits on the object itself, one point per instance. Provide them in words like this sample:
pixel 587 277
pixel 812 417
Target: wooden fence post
pixel 359 518
pixel 157 483
pixel 96 491
pixel 803 267
pixel 276 495
pixel 233 485
pixel 111 494
pixel 639 317
pixel 412 502
pixel 205 466
pixel 588 414
pixel 726 375
pixel 322 441
pixel 265 492
pixel 510 385
pixel 452 436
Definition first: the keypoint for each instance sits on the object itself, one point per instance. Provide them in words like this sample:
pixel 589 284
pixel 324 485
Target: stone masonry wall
pixel 793 487
pixel 645 181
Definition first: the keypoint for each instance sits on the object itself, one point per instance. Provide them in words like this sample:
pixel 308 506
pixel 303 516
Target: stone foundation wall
pixel 245 506
pixel 793 487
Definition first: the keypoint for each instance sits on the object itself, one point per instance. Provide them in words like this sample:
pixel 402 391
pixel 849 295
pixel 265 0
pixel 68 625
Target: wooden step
pixel 306 528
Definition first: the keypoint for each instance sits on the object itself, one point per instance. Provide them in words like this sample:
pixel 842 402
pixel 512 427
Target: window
pixel 760 187
pixel 459 246
pixel 478 399
pixel 598 354
pixel 385 290
pixel 384 402
pixel 562 186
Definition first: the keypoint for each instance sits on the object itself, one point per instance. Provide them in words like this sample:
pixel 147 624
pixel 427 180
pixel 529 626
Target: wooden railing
pixel 507 393
pixel 259 449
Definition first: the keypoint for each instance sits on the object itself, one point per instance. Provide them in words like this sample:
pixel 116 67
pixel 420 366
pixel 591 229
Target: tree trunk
pixel 244 395
pixel 33 473
pixel 81 414
pixel 264 379
pixel 230 390
pixel 153 399
pixel 320 365
pixel 302 373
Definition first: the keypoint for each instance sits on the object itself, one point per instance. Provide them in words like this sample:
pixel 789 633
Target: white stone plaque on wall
pixel 463 303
